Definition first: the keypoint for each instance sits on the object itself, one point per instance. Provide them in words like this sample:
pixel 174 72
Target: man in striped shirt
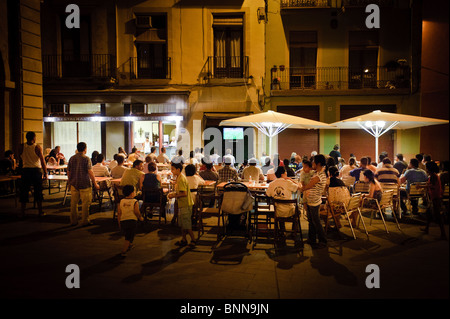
pixel 387 173
pixel 315 188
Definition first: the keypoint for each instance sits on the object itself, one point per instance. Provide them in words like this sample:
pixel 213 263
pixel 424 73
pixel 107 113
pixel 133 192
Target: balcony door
pixel 76 49
pixel 363 59
pixel 152 60
pixel 228 46
pixel 302 59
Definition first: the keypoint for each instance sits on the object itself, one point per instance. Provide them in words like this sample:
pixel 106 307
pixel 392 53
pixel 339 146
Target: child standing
pixel 185 202
pixel 127 216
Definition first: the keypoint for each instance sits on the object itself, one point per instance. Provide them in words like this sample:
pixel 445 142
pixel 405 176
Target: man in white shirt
pixel 198 154
pixel 113 162
pixel 162 157
pixel 213 158
pixel 252 172
pixel 229 155
pixel 99 169
pixel 283 188
pixel 118 171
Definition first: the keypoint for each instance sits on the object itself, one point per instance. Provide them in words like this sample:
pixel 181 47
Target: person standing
pixel 183 196
pixel 435 192
pixel 34 171
pixel 335 154
pixel 316 187
pixel 80 176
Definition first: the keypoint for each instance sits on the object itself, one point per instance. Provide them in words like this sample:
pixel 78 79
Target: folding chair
pixel 417 191
pixel 262 216
pixel 361 187
pixel 340 202
pixel 153 201
pixel 118 195
pixel 294 219
pixel 208 205
pixel 395 187
pixel 99 194
pixel 386 201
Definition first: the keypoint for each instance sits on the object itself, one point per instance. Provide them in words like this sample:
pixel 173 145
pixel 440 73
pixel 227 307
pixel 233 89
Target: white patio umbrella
pixel 272 123
pixel 377 123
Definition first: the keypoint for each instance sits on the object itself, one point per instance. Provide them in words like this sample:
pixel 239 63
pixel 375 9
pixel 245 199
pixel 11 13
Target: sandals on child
pixel 181 243
pixel 192 243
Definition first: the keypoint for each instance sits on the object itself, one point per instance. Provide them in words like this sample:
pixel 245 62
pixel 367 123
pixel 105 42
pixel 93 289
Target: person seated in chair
pixel 153 181
pixel 283 188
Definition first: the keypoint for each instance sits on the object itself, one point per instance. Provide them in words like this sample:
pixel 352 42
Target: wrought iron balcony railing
pixel 78 66
pixel 150 69
pixel 222 67
pixel 288 4
pixel 339 78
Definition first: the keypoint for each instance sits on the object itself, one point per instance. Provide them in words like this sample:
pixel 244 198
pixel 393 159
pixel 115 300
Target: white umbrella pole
pixel 270 146
pixel 376 149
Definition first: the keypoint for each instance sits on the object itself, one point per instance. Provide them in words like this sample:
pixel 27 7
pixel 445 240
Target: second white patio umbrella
pixel 272 123
pixel 377 123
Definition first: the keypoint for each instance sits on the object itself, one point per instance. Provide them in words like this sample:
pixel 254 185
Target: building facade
pixel 166 71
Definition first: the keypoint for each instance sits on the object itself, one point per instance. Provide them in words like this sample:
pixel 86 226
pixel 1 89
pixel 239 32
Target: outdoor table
pixel 56 168
pixel 250 185
pixel 58 178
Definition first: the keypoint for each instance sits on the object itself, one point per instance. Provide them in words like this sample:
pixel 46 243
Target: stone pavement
pixel 35 253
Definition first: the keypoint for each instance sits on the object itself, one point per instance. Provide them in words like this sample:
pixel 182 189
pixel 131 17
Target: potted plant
pixel 281 67
pixel 274 68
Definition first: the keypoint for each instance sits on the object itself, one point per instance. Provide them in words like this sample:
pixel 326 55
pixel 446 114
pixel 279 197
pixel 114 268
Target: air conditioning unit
pixel 143 21
pixel 261 14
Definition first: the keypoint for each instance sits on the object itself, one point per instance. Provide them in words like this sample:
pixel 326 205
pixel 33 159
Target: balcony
pixel 225 67
pixel 340 78
pixel 296 4
pixel 94 66
pixel 151 69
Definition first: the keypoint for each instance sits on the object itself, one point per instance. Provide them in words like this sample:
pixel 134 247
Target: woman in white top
pixel 344 173
pixel 33 172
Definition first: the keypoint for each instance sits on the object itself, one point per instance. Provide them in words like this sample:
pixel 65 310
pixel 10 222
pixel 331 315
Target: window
pixel 228 46
pixel 151 46
pixel 302 59
pixel 76 48
pixel 363 59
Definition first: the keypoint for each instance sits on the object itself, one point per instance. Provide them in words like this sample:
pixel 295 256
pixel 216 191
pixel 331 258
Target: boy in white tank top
pixel 127 216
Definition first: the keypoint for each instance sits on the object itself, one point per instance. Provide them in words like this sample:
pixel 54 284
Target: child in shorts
pixel 185 202
pixel 128 214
